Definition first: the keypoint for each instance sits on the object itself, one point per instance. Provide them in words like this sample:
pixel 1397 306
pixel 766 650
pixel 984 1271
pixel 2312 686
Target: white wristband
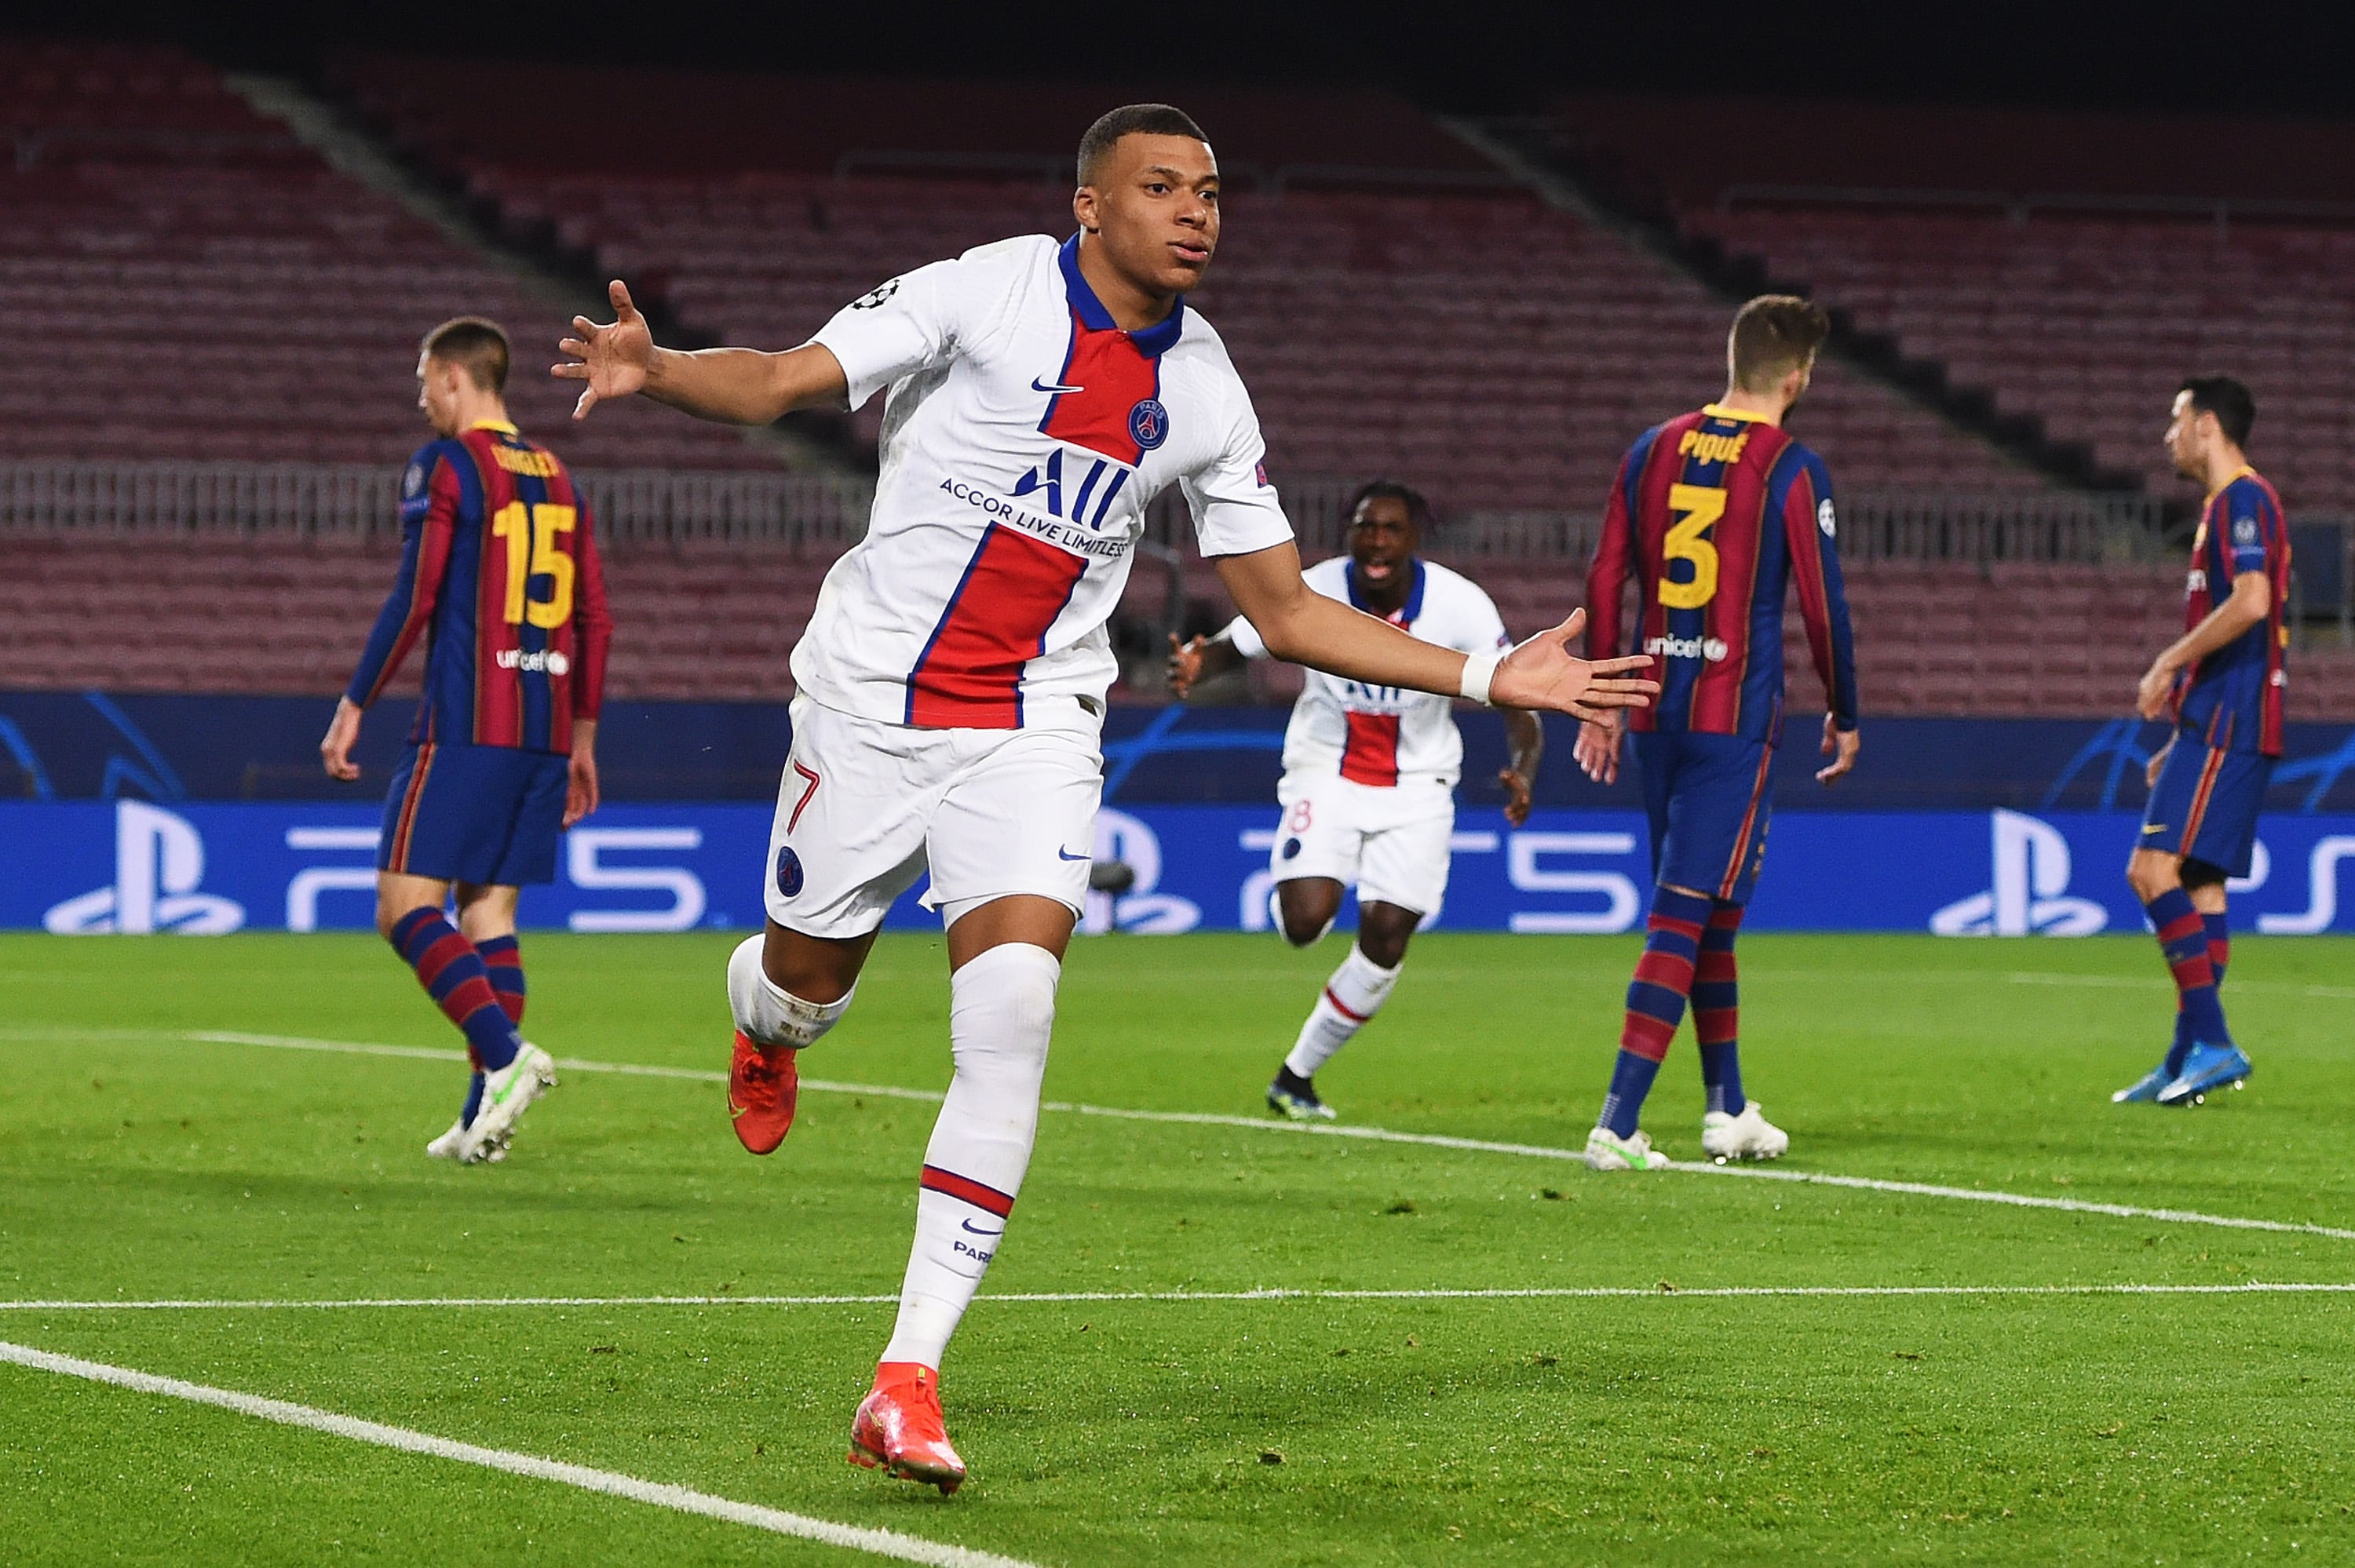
pixel 1479 671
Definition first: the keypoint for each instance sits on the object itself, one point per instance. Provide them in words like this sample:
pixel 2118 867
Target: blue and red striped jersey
pixel 2233 696
pixel 1714 514
pixel 499 575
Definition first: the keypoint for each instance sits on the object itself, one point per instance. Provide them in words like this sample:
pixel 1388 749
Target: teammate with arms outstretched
pixel 1370 773
pixel 1714 514
pixel 499 575
pixel 952 683
pixel 2223 683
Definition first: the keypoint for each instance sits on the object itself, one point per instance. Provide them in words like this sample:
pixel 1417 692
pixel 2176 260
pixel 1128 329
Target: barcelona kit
pixel 499 578
pixel 2227 706
pixel 1714 517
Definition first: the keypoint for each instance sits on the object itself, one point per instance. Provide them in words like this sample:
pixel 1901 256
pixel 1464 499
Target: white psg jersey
pixel 1383 735
pixel 1023 434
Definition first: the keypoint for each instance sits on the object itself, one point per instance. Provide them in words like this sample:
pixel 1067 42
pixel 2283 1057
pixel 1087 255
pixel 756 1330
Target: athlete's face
pixel 2188 432
pixel 1154 206
pixel 437 393
pixel 1382 538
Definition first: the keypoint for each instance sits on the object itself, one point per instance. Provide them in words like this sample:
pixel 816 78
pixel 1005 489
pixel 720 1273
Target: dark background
pixel 1462 56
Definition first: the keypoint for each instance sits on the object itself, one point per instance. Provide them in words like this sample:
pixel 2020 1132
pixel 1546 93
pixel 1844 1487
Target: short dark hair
pixel 475 343
pixel 1418 509
pixel 2227 399
pixel 1772 335
pixel 1132 120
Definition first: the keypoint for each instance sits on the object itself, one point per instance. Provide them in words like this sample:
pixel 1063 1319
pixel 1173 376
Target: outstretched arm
pixel 1299 624
pixel 736 385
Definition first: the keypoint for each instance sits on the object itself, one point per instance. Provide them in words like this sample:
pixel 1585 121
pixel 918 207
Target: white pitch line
pixel 1272 1293
pixel 680 1499
pixel 1316 1129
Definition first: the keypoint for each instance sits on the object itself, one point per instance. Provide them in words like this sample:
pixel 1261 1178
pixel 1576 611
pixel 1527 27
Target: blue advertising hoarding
pixel 198 867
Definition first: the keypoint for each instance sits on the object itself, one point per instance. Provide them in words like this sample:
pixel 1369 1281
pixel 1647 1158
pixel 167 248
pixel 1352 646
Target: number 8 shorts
pixel 1391 842
pixel 864 808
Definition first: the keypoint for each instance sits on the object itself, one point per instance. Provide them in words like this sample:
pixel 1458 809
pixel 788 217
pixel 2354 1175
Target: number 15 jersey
pixel 1024 434
pixel 1714 514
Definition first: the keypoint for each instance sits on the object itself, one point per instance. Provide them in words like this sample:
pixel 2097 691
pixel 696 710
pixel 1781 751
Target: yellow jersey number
pixel 531 535
pixel 1699 507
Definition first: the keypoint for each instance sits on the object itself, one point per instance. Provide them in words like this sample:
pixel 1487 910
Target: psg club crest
pixel 789 872
pixel 1149 424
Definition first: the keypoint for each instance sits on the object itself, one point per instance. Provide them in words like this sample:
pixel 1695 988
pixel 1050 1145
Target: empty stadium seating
pixel 1498 351
pixel 262 615
pixel 2048 258
pixel 187 281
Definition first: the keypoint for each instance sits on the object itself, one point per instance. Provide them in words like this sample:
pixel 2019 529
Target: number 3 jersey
pixel 1715 515
pixel 1023 434
pixel 499 575
pixel 1384 736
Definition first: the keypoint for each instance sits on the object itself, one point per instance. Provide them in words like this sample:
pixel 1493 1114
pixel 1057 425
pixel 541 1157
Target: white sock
pixel 1001 1011
pixel 1352 997
pixel 768 1013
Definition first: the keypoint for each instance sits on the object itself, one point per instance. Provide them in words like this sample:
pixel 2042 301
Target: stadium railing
pixel 805 511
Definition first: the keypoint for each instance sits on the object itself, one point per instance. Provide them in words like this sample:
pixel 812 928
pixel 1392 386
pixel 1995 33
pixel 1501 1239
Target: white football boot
pixel 1749 1136
pixel 506 1094
pixel 1606 1150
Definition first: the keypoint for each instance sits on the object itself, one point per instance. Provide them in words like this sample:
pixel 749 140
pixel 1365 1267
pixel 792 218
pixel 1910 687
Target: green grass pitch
pixel 136 1163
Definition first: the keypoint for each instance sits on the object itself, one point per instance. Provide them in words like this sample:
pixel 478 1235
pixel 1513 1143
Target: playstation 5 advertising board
pixel 203 869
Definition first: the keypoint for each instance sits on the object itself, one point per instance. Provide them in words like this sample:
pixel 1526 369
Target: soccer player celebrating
pixel 2221 682
pixel 952 683
pixel 1369 774
pixel 499 574
pixel 1715 513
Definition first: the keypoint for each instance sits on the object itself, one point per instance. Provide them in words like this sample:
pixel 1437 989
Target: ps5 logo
pixel 2031 891
pixel 159 860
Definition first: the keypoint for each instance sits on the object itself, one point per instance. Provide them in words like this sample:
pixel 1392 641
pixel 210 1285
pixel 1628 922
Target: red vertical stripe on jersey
pixel 1739 536
pixel 1113 375
pixel 498 695
pixel 970 674
pixel 1370 755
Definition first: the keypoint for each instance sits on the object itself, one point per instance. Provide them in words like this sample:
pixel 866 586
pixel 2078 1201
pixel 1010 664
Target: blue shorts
pixel 483 814
pixel 1709 798
pixel 2205 804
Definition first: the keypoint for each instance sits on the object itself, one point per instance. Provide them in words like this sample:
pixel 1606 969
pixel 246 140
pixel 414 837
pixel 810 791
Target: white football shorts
pixel 864 808
pixel 1391 843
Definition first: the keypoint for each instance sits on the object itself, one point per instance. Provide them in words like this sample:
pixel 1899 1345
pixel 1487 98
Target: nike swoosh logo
pixel 979 1232
pixel 2150 828
pixel 1062 854
pixel 1051 387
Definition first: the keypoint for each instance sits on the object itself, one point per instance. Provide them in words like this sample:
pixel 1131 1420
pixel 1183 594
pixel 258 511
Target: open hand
pixel 613 360
pixel 1597 749
pixel 1542 672
pixel 1841 746
pixel 1185 665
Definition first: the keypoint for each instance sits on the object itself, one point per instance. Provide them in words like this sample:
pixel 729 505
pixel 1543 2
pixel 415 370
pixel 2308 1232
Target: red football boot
pixel 899 1427
pixel 763 1086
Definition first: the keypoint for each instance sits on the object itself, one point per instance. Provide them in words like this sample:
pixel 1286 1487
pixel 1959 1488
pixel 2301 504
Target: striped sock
pixel 503 961
pixel 1717 1010
pixel 2183 937
pixel 2220 945
pixel 1656 1004
pixel 452 973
